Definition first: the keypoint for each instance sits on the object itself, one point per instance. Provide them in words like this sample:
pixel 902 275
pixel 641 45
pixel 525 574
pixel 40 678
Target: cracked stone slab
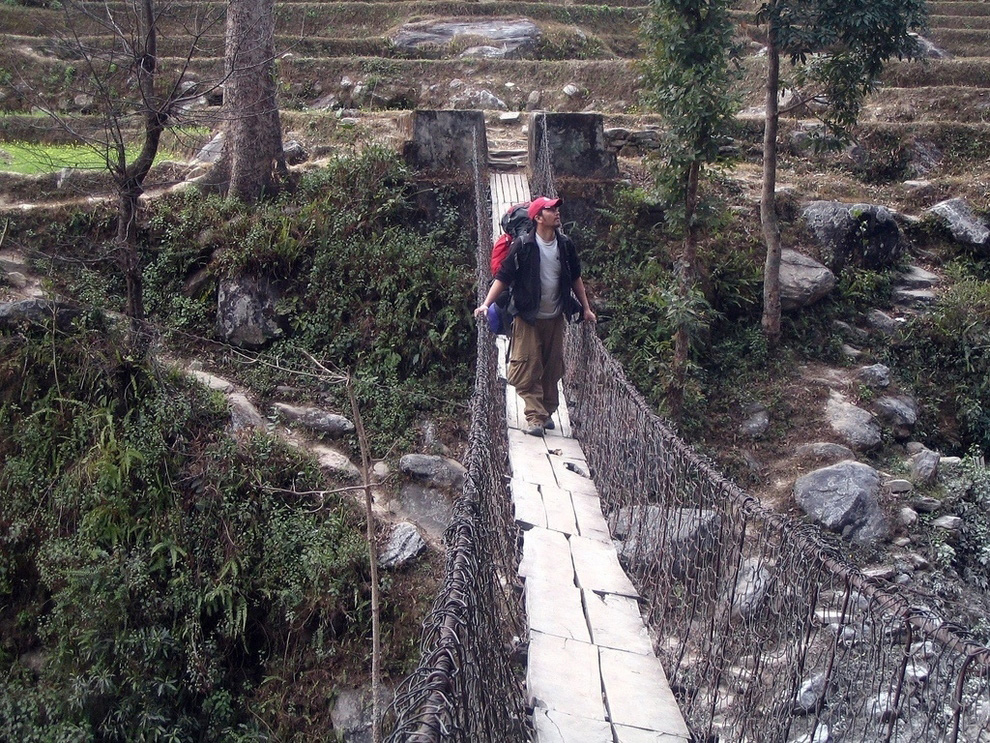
pixel 564 675
pixel 555 608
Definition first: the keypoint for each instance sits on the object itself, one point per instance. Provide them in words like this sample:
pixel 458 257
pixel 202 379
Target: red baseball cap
pixel 540 203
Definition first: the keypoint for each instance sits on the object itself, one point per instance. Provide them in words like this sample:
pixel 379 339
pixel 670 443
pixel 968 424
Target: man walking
pixel 542 268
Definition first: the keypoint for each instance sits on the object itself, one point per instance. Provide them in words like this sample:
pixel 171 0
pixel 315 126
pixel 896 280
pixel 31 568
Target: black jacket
pixel 521 272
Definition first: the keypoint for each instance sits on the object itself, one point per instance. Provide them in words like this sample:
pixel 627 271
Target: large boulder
pixel 803 280
pixel 966 228
pixel 647 532
pixel 434 470
pixel 316 419
pixel 863 235
pixel 857 427
pixel 404 544
pixel 900 412
pixel 246 311
pixel 505 37
pixel 843 498
pixel 39 312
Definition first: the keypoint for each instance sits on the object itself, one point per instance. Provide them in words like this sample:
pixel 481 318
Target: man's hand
pixel 480 311
pixel 588 315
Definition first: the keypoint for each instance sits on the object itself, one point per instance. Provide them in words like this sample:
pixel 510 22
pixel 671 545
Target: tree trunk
pixel 688 276
pixel 768 205
pixel 252 160
pixel 130 178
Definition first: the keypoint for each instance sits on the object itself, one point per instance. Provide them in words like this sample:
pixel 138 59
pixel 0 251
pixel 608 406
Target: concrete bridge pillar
pixel 445 143
pixel 570 148
pixel 448 149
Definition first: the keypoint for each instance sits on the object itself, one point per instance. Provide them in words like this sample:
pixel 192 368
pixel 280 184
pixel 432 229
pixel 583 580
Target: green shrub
pixel 945 359
pixel 160 566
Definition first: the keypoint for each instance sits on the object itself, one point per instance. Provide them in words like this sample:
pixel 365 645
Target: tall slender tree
pixel 252 161
pixel 689 79
pixel 838 49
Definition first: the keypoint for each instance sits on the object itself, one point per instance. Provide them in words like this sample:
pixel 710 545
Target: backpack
pixel 514 222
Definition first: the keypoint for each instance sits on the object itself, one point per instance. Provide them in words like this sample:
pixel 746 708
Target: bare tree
pixel 124 103
pixel 252 161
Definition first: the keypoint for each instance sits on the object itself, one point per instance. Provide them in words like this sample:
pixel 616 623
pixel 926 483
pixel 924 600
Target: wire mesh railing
pixel 764 632
pixel 468 688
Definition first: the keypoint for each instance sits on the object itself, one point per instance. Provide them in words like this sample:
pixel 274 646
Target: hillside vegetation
pixel 164 575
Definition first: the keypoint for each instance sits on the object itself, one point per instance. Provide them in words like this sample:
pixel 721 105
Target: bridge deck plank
pixel 626 734
pixel 545 553
pixel 559 727
pixel 597 568
pixel 559 509
pixel 528 503
pixel 637 693
pixel 590 521
pixel 616 623
pixel 555 608
pixel 564 675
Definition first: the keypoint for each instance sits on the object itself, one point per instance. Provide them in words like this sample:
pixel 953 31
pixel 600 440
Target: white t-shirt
pixel 549 278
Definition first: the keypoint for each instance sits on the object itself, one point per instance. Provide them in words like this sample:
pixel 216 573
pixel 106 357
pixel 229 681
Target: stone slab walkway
pixel 592 675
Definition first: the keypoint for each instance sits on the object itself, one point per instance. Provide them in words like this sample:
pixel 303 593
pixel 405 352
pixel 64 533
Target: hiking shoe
pixel 534 430
pixel 549 424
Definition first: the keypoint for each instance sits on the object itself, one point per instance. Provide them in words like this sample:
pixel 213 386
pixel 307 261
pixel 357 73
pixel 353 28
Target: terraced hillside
pixel 365 58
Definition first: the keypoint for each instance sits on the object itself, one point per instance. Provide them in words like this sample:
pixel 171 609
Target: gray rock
pixel 856 426
pixel 428 508
pixel 811 694
pixel 850 332
pixel 824 451
pixel 756 424
pixel 751 588
pixel 926 504
pixel 948 523
pixel 510 37
pixel 882 707
pixel 898 486
pixel 212 381
pixel 316 420
pixel 16 279
pixel 571 90
pixel 39 312
pixel 210 152
pixel 918 298
pixel 876 375
pixel 243 413
pixel 404 544
pixel 965 227
pixel 916 277
pixel 687 538
pixel 884 323
pixel 437 471
pixel 863 235
pixel 803 280
pixel 843 498
pixel 336 463
pixel 900 412
pixel 246 312
pixel 924 466
pixel 294 152
pixel 352 712
pixel 473 98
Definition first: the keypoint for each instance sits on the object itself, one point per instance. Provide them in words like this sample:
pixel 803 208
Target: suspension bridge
pixel 715 620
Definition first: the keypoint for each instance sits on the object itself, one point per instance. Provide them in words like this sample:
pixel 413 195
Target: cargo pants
pixel 536 365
